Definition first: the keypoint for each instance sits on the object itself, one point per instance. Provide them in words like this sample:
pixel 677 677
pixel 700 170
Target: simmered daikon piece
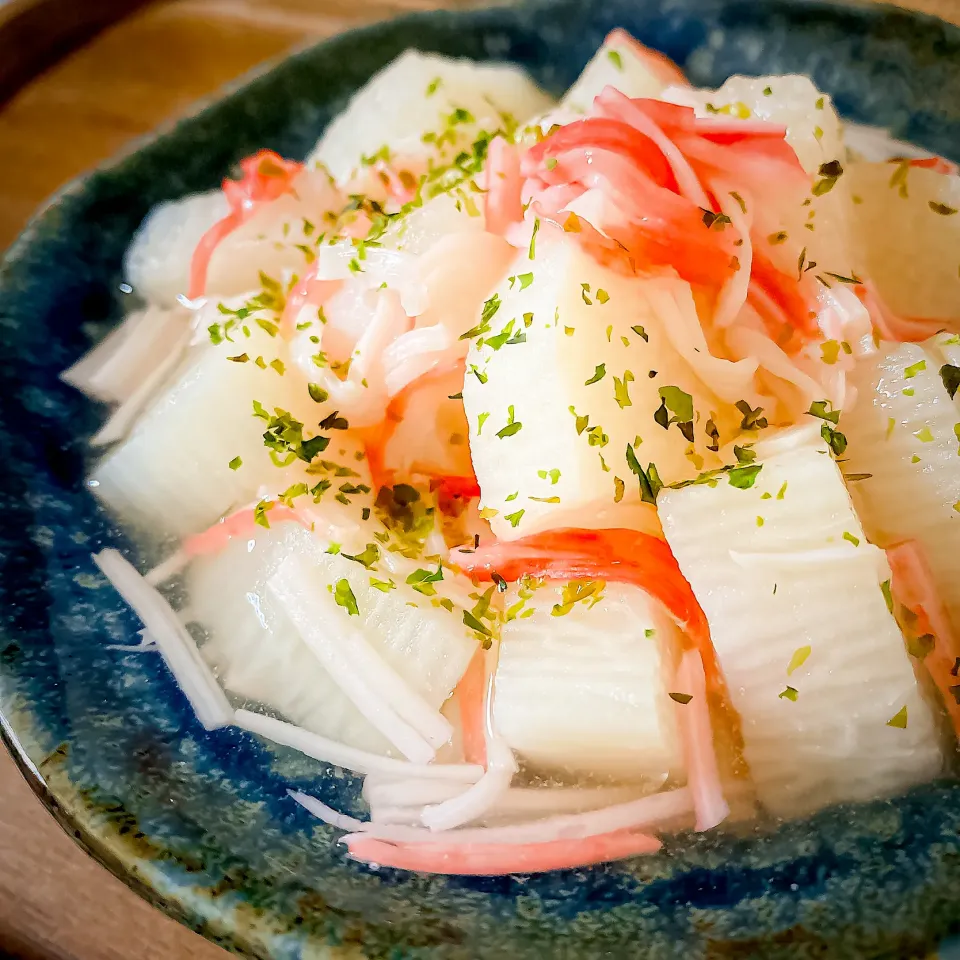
pixel 623 63
pixel 268 602
pixel 198 449
pixel 571 366
pixel 908 234
pixel 424 226
pixel 582 684
pixel 425 107
pixel 902 454
pixel 813 659
pixel 157 264
pixel 813 127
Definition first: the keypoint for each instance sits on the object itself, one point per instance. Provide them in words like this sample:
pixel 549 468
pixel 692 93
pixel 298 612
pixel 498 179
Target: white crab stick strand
pixel 654 811
pixel 349 758
pixel 382 678
pixel 177 647
pixel 310 614
pixel 491 787
pixel 123 418
pixel 401 802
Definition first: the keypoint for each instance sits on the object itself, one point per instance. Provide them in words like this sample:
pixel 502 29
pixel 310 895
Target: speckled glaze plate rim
pixel 15 730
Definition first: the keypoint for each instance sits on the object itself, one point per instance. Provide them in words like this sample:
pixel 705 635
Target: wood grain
pixel 54 901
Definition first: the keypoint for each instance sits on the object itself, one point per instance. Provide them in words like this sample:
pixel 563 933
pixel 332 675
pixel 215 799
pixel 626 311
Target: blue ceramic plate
pixel 200 823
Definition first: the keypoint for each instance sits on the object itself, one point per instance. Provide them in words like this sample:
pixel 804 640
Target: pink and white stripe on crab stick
pixel 501 767
pixel 350 758
pixel 470 701
pixel 696 731
pixel 309 291
pixel 657 811
pixel 502 203
pixel 242 523
pixel 617 106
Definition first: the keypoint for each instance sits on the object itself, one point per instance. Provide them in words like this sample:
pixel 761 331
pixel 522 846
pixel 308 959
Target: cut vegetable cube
pixel 585 693
pixel 813 127
pixel 157 263
pixel 903 450
pixel 420 94
pixel 907 228
pixel 260 655
pixel 198 450
pixel 570 364
pixel 814 661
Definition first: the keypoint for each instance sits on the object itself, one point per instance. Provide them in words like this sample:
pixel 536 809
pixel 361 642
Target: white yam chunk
pixel 791 590
pixel 908 234
pixel 622 62
pixel 586 694
pixel 172 473
pixel 259 654
pixel 417 94
pixel 902 433
pixel 157 264
pixel 423 227
pixel 583 325
pixel 813 127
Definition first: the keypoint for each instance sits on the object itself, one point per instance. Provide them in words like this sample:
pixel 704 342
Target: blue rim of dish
pixel 865 11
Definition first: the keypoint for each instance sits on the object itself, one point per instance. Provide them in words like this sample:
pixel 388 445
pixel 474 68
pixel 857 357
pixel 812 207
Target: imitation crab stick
pixel 912 586
pixel 266 176
pixel 620 556
pixel 491 859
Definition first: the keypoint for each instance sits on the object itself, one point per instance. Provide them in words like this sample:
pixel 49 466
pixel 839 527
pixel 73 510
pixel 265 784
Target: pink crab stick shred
pixel 266 177
pixel 613 103
pixel 497 859
pixel 471 691
pixel 937 165
pixel 242 524
pixel 309 291
pixel 912 585
pixel 696 732
pixel 502 203
pixel 890 325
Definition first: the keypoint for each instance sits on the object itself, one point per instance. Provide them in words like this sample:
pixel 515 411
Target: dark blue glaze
pixel 201 823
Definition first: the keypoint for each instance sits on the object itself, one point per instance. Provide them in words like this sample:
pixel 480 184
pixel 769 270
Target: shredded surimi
pixel 127 413
pixel 410 795
pixel 176 646
pixel 501 767
pixel 350 758
pixel 703 777
pixel 115 368
pixel 913 586
pixel 377 691
pixel 650 812
pixel 499 859
pixel 502 202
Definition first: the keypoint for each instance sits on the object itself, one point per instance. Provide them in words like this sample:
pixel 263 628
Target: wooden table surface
pixel 54 901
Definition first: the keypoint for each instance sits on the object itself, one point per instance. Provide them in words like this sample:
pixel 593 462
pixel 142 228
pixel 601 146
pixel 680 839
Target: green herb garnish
pixel 345 598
